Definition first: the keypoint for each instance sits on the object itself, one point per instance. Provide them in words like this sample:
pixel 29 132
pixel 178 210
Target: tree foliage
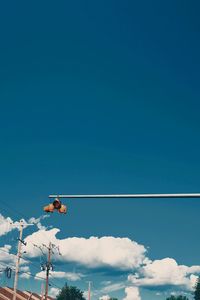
pixel 197 290
pixel 70 293
pixel 180 297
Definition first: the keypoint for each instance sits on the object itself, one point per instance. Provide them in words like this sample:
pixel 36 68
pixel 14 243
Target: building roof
pixel 6 293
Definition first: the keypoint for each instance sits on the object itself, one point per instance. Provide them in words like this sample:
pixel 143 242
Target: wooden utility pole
pixel 42 291
pixel 48 265
pixel 20 242
pixel 48 268
pixel 18 258
pixel 89 290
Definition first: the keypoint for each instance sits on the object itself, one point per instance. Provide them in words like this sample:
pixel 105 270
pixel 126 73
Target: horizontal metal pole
pixel 188 195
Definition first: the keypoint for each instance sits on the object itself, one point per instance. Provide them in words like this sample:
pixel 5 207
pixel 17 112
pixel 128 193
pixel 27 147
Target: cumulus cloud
pixel 6 256
pixel 132 293
pixel 53 292
pixel 94 252
pixel 165 272
pixel 6 225
pixel 104 297
pixel 118 253
pixel 71 276
pixel 25 272
pixel 24 269
pixel 25 275
pixel 106 282
pixel 37 221
pixel 111 252
pixel 113 287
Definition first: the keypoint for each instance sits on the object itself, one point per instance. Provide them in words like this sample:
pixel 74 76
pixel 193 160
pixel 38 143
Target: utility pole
pixel 20 242
pixel 48 267
pixel 18 259
pixel 89 290
pixel 42 291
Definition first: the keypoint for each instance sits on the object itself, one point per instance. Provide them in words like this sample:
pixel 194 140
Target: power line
pixel 40 277
pixel 25 259
pixel 31 274
pixel 15 213
pixel 18 213
pixel 57 279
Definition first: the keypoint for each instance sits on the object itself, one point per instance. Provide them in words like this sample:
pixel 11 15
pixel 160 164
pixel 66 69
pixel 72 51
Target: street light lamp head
pixel 56 205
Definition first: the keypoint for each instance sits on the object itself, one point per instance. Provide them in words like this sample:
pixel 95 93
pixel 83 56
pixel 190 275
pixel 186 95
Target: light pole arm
pixel 181 195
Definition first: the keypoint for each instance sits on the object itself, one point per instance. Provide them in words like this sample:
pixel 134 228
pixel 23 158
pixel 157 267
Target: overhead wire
pixel 29 273
pixel 25 259
pixel 39 277
pixel 57 279
pixel 13 210
pixel 17 213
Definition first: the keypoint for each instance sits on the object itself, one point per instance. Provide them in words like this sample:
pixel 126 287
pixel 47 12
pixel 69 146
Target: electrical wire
pixel 17 213
pixel 25 259
pixel 29 261
pixel 39 277
pixel 58 280
pixel 13 210
pixel 28 273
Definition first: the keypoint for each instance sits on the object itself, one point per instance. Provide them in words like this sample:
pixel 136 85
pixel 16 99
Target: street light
pixel 176 195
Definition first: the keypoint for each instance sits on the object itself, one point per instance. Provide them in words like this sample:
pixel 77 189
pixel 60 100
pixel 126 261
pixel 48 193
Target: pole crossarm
pixel 181 195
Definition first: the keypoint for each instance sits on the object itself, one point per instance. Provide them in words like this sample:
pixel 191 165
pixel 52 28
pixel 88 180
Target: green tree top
pixel 180 297
pixel 70 293
pixel 197 290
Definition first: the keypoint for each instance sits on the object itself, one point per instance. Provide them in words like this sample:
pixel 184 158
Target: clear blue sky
pixel 103 97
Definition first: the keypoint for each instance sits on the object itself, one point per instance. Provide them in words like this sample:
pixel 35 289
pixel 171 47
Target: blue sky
pixel 103 97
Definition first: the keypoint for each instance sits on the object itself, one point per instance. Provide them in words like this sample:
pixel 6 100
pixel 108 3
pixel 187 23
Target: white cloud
pixel 72 276
pixel 6 225
pixel 106 282
pixel 25 275
pixel 132 293
pixel 37 221
pixel 63 275
pixel 25 272
pixel 25 269
pixel 113 287
pixel 120 253
pixel 104 297
pixel 165 272
pixel 53 292
pixel 6 256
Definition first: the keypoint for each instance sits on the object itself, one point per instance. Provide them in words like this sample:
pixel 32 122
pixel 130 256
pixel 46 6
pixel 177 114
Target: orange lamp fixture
pixel 56 205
